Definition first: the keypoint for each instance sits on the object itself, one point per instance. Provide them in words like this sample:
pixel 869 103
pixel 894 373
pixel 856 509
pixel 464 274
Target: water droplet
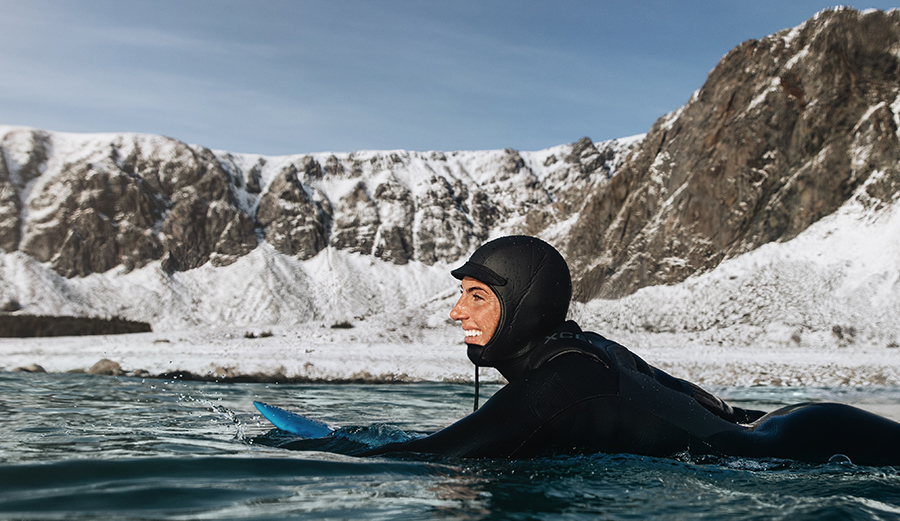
pixel 840 458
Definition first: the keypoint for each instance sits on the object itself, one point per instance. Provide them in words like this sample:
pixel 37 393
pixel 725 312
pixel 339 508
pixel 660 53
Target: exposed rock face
pixel 442 230
pixel 125 201
pixel 89 203
pixel 394 241
pixel 197 230
pixel 203 221
pixel 22 156
pixel 573 177
pixel 784 131
pixel 100 221
pixel 295 223
pixel 10 211
pixel 357 223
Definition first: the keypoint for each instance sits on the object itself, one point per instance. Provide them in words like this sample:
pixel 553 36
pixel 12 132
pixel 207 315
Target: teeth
pixel 473 332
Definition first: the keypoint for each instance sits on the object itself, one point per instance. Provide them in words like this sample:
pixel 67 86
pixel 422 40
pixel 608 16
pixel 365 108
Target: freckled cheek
pixel 482 311
pixel 485 317
pixel 493 317
pixel 492 321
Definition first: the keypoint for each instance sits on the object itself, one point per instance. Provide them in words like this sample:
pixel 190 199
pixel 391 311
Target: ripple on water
pixel 97 447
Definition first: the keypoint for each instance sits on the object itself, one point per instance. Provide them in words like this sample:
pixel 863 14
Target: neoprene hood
pixel 532 281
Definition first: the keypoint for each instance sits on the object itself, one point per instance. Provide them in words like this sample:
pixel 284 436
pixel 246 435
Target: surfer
pixel 572 391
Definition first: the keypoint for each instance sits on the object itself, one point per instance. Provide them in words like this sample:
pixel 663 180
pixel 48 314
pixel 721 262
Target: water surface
pixel 92 447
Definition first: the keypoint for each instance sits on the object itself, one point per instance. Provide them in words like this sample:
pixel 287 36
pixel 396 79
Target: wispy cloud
pixel 323 75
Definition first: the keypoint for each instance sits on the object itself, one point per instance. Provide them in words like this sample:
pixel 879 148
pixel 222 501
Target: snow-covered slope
pixel 838 283
pixel 821 309
pixel 262 288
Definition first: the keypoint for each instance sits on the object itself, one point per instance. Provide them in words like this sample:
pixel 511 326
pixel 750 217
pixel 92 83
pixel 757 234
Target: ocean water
pixel 92 447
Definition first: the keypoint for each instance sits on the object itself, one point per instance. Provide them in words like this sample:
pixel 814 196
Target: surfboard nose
pixel 292 422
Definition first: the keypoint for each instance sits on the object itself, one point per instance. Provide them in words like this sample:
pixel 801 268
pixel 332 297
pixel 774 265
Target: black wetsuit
pixel 576 392
pixel 583 394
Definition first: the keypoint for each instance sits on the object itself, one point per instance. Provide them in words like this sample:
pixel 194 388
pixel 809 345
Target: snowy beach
pixel 819 310
pixel 320 353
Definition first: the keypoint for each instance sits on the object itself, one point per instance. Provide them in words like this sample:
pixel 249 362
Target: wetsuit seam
pixel 576 351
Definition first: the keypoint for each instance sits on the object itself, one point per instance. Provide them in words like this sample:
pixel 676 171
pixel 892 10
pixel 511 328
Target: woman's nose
pixel 457 312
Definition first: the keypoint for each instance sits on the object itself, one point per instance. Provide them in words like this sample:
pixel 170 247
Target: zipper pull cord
pixel 476 389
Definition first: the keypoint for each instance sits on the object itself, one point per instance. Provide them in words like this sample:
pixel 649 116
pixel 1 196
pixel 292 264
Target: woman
pixel 572 391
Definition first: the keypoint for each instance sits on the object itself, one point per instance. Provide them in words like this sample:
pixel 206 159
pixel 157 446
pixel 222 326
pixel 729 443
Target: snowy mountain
pixel 88 203
pixel 760 213
pixel 151 228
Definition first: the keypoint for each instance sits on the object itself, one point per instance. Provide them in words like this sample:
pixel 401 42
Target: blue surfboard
pixel 292 422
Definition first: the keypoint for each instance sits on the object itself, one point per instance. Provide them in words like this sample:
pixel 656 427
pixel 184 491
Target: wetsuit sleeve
pixel 495 430
pixel 569 403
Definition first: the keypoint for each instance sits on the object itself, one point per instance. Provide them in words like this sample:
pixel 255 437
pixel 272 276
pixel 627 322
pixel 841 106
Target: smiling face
pixel 478 309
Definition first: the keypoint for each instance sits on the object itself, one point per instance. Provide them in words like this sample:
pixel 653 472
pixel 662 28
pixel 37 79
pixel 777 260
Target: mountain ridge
pixel 787 131
pixel 87 203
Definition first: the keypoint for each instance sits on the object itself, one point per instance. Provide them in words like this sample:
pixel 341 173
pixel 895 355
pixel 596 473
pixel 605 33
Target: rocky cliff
pixel 784 132
pixel 88 203
pixel 91 203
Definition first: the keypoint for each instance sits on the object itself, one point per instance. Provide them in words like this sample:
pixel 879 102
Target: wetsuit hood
pixel 532 281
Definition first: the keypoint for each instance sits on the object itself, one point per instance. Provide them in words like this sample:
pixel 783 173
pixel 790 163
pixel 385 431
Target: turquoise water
pixel 91 447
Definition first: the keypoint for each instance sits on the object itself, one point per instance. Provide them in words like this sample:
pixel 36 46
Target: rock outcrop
pixel 394 240
pixel 17 172
pixel 295 222
pixel 784 131
pixel 120 201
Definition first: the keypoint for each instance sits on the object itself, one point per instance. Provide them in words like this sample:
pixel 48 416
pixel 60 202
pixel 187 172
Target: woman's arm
pixel 495 430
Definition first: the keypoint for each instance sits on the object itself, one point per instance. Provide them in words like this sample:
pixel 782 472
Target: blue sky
pixel 283 77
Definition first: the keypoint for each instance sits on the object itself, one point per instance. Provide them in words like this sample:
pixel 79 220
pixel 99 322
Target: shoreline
pixel 316 353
